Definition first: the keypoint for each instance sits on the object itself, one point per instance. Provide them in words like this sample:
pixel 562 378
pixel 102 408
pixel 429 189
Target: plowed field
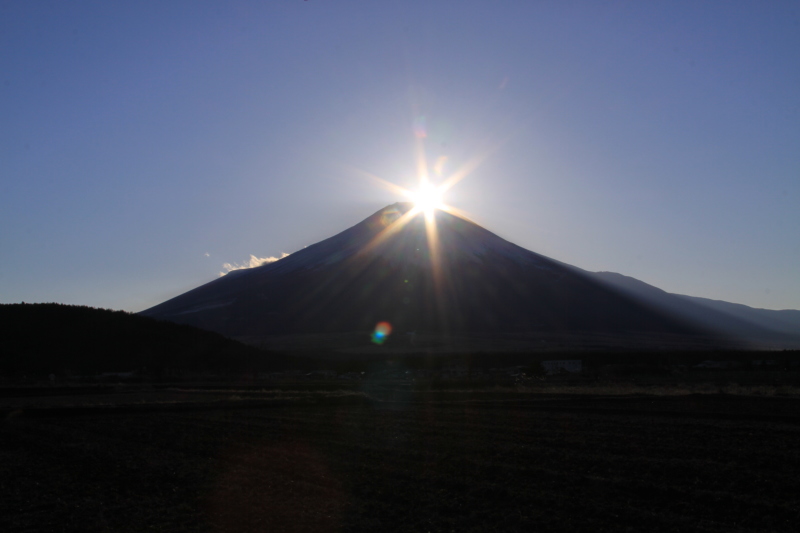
pixel 421 462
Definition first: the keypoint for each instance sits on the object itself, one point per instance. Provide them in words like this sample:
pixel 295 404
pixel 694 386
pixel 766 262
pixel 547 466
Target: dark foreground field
pixel 490 461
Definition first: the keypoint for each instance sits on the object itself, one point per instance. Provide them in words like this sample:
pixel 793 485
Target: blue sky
pixel 145 144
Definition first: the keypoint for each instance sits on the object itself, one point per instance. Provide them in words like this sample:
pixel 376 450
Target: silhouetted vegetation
pixel 79 340
pixel 65 340
pixel 644 362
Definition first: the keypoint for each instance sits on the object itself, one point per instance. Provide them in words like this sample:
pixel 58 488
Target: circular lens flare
pixel 381 333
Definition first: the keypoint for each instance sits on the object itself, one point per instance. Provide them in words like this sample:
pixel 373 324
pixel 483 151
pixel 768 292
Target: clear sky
pixel 145 144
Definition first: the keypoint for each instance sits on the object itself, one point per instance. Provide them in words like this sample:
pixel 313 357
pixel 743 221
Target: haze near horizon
pixel 146 145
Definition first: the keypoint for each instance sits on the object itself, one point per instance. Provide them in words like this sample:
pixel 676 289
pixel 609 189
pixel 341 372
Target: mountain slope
pixel 723 317
pixel 379 271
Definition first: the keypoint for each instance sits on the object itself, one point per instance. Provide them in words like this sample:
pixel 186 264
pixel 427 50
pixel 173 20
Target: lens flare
pixel 420 128
pixel 389 216
pixel 381 333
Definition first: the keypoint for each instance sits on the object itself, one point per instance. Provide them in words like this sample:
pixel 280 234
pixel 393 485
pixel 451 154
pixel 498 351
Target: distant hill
pixel 759 327
pixel 56 338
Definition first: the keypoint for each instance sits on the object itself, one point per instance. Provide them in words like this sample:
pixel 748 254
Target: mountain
pixel 459 280
pixel 762 326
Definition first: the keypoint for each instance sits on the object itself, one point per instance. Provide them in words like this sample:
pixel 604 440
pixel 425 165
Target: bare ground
pixel 401 461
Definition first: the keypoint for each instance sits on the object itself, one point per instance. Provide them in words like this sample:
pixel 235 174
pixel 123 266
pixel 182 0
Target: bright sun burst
pixel 428 198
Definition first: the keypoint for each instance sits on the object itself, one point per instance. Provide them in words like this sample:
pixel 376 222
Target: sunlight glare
pixel 427 198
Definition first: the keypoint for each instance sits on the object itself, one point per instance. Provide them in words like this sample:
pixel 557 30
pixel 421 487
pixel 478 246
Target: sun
pixel 427 198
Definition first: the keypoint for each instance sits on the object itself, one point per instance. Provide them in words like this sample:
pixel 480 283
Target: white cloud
pixel 252 263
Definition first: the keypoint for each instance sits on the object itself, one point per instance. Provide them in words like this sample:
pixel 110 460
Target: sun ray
pixel 456 211
pixel 468 167
pixel 422 162
pixel 435 256
pixel 392 187
pixel 390 230
pixel 427 199
pixel 434 250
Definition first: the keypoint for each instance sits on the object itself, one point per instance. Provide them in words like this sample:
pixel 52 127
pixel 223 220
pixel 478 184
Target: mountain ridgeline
pixel 459 279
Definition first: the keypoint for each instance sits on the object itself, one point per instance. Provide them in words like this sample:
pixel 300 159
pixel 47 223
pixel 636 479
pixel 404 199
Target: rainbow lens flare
pixel 420 128
pixel 388 216
pixel 381 333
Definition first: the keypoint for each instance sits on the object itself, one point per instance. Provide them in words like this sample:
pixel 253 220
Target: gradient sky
pixel 145 144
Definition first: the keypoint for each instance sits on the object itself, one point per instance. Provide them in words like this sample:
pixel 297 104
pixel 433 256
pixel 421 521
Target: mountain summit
pixel 451 277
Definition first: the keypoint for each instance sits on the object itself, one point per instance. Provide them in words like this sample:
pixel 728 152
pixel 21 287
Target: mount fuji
pixel 458 280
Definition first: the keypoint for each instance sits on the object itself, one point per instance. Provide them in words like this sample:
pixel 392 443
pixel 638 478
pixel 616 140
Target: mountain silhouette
pixel 459 279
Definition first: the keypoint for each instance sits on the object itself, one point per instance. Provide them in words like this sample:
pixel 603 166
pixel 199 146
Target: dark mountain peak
pixel 445 275
pixel 399 235
pixel 403 207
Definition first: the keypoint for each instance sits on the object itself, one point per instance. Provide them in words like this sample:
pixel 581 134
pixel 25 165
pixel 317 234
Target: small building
pixel 718 365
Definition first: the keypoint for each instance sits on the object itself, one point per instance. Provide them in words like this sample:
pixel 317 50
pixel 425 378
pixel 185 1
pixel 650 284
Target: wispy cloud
pixel 252 263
